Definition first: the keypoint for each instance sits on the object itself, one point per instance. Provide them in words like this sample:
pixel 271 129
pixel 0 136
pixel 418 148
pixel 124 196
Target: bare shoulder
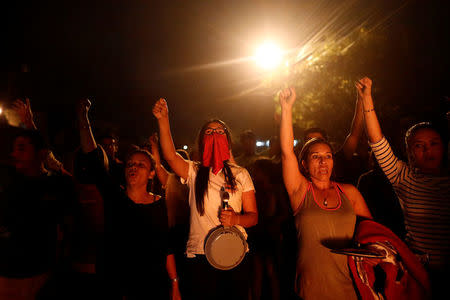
pixel 347 187
pixel 350 190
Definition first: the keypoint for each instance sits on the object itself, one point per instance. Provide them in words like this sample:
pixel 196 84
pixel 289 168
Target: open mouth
pixel 323 170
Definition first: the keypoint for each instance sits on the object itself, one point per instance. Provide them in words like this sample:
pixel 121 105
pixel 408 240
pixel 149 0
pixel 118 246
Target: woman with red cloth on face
pixel 205 180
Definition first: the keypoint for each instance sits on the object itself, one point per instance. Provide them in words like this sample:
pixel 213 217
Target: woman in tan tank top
pixel 325 213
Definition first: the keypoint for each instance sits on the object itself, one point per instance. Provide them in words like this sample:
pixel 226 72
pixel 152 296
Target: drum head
pixel 225 248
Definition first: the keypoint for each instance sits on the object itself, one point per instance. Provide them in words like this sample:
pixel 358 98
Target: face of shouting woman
pixel 319 162
pixel 138 170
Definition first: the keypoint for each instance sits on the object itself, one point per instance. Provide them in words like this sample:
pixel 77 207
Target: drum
pixel 225 246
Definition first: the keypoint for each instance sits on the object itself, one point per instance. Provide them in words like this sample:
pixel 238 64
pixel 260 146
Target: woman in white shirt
pixel 205 180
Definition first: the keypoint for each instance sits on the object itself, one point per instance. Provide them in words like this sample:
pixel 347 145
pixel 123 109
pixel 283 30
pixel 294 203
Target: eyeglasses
pixel 218 130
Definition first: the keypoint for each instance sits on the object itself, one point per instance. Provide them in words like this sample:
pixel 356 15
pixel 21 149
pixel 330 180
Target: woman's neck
pixel 140 195
pixel 321 185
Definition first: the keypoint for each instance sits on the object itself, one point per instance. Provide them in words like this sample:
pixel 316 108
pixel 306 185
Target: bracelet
pixel 369 110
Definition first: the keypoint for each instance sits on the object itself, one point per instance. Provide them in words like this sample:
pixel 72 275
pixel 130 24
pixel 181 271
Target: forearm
pixel 87 140
pixel 166 141
pixel 171 267
pixel 373 128
pixel 286 132
pixel 351 141
pixel 172 273
pixel 247 219
pixel 161 173
pixel 29 124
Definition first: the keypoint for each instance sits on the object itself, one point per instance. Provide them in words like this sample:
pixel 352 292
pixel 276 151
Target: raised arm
pixel 389 163
pixel 364 87
pixel 23 110
pixel 161 172
pixel 352 139
pixel 87 140
pixel 296 184
pixel 176 162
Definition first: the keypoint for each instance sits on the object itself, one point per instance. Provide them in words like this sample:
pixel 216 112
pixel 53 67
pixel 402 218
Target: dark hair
pixel 315 129
pixel 36 139
pixel 303 156
pixel 202 179
pixel 138 150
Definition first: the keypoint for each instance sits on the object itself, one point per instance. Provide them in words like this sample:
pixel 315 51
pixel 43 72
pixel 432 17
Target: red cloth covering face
pixel 215 151
pixel 405 277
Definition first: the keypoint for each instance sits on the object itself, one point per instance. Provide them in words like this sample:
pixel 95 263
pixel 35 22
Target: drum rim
pixel 211 236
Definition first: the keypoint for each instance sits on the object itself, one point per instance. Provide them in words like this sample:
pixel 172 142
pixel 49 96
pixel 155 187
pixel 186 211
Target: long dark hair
pixel 202 179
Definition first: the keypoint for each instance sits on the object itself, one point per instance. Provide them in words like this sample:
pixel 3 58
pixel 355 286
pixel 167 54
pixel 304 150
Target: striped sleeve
pixel 393 168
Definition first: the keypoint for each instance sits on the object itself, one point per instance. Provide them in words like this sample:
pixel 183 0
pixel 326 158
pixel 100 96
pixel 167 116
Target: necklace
pixel 325 200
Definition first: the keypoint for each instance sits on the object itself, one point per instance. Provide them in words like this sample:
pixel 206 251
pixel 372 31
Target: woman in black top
pixel 137 259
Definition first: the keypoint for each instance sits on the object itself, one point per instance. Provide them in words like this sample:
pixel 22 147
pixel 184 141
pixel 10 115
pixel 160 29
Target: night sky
pixel 124 55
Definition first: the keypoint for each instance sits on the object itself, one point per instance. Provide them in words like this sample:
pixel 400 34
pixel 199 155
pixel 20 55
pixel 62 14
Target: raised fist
pixel 160 109
pixel 287 97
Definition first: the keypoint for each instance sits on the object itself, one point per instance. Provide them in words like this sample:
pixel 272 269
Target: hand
pixel 364 87
pixel 23 110
pixel 83 106
pixel 229 217
pixel 153 140
pixel 287 97
pixel 160 109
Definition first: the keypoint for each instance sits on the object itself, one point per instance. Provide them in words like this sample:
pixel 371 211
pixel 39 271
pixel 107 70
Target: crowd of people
pixel 102 228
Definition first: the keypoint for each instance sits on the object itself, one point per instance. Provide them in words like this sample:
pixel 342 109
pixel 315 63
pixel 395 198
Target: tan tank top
pixel 322 274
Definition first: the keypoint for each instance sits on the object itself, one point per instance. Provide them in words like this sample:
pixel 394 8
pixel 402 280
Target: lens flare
pixel 268 56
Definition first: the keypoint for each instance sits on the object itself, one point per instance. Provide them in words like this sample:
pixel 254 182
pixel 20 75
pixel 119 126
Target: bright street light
pixel 268 56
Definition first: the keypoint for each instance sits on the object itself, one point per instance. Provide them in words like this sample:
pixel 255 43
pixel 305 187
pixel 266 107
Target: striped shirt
pixel 425 201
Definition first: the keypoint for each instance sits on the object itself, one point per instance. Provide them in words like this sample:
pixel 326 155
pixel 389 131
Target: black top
pixel 382 201
pixel 30 209
pixel 136 236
